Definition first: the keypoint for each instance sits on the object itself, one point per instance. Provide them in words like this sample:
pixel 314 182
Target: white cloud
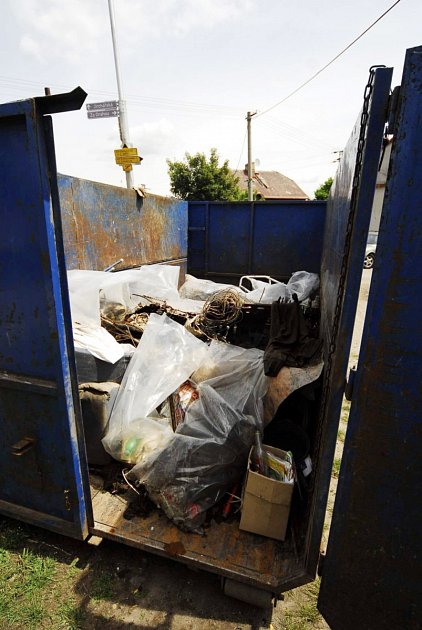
pixel 160 18
pixel 31 46
pixel 66 30
pixel 155 138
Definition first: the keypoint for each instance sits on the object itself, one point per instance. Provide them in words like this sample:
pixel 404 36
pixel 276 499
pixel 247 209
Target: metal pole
pixel 250 191
pixel 123 122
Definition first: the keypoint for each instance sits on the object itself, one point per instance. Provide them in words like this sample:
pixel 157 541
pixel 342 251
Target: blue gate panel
pixel 43 473
pixel 26 296
pixel 374 556
pixel 346 229
pixel 103 223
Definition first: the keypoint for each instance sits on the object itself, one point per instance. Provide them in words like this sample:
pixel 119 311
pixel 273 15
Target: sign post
pixel 123 122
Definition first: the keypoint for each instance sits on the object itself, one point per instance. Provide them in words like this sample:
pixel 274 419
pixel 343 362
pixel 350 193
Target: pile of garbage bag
pixel 188 470
pixel 189 403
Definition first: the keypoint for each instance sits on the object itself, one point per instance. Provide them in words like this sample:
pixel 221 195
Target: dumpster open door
pixel 371 576
pixel 43 471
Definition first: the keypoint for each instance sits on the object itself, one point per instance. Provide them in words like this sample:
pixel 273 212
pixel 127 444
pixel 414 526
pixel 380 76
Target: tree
pixel 198 178
pixel 324 190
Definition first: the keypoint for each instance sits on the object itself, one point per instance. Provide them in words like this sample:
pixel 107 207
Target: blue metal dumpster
pixel 369 575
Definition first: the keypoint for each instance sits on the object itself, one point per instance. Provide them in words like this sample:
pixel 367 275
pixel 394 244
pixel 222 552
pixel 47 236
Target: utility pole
pixel 123 122
pixel 250 191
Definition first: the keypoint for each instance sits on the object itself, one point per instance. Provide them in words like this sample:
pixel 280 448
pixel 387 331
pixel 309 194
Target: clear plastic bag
pixel 165 357
pixel 209 451
pixel 266 292
pixel 141 439
pixel 84 295
pixel 303 284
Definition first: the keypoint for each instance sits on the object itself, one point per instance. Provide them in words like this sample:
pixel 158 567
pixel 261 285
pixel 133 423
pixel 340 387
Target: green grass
pixel 69 616
pixel 303 614
pixel 34 586
pixel 341 435
pixel 345 410
pixel 336 468
pixel 23 580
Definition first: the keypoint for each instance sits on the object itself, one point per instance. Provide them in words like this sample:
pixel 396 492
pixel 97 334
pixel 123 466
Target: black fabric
pixel 290 344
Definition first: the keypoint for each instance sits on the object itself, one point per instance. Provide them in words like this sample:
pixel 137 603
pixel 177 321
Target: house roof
pixel 271 185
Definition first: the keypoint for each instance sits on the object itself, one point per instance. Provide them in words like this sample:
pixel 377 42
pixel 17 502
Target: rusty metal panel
pixel 372 574
pixel 103 223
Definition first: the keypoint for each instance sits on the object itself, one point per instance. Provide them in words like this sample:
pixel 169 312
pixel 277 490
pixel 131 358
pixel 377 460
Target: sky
pixel 191 69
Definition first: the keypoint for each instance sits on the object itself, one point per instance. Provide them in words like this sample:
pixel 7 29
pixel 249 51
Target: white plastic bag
pixel 198 289
pixel 302 283
pixel 84 295
pixel 266 292
pixel 98 341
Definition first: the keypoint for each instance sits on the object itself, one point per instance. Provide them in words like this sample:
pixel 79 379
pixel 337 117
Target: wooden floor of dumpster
pixel 224 550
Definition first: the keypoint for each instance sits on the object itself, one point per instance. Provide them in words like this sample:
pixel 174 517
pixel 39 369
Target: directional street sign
pixel 106 109
pixel 103 105
pixel 126 152
pixel 103 113
pixel 127 155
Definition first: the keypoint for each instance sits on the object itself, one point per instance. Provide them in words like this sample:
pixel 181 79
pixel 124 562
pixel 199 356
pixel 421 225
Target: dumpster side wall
pixel 103 223
pixel 228 240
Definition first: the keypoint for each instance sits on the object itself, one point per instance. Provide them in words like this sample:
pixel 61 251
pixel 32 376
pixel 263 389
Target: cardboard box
pixel 265 503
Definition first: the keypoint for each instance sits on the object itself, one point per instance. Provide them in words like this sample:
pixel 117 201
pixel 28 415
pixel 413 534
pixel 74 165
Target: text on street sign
pixel 126 152
pixel 103 105
pixel 104 113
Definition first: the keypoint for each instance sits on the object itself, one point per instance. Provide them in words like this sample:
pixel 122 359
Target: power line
pixel 329 63
pixel 241 151
pixel 141 100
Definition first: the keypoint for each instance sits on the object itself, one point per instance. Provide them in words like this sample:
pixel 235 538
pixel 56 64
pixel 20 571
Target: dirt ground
pixel 48 581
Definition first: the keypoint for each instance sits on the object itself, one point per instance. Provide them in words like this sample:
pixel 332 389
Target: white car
pixel 371 247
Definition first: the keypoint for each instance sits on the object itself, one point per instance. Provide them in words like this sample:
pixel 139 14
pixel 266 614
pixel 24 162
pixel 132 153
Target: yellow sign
pixel 127 167
pixel 128 160
pixel 126 152
pixel 126 156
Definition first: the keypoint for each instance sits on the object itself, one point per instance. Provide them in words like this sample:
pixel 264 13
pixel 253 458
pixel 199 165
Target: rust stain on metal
pixel 103 223
pixel 175 548
pixel 152 234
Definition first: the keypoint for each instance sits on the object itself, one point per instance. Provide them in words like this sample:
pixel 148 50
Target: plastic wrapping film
pixel 93 293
